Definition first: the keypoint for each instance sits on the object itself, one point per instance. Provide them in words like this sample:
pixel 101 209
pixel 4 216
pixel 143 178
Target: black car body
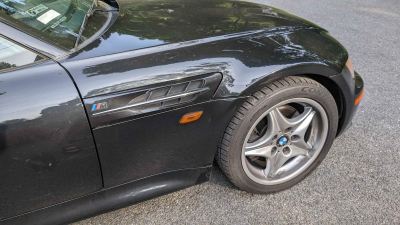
pixel 80 134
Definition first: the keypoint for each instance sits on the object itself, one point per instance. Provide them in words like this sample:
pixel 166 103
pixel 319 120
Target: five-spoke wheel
pixel 284 140
pixel 279 135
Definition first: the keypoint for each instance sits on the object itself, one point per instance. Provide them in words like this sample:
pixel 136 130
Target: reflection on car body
pixel 151 93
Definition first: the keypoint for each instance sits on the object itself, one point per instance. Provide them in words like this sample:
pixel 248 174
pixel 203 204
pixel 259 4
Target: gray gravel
pixel 359 180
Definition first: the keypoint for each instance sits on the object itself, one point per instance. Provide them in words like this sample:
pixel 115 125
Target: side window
pixel 13 55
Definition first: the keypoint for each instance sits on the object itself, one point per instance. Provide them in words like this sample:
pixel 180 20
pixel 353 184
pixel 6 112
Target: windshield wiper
pixel 102 10
pixel 84 23
pixel 87 15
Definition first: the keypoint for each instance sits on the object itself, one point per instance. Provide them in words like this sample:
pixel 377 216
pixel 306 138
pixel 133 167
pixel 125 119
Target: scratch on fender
pixel 334 75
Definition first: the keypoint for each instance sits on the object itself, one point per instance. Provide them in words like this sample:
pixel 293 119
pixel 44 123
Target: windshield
pixel 54 21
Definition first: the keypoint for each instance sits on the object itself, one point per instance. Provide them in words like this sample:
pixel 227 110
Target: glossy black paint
pixel 352 88
pixel 150 44
pixel 155 144
pixel 115 198
pixel 221 41
pixel 143 24
pixel 47 153
pixel 273 52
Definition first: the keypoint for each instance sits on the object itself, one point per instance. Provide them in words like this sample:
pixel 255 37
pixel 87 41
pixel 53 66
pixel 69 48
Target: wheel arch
pixel 337 94
pixel 316 71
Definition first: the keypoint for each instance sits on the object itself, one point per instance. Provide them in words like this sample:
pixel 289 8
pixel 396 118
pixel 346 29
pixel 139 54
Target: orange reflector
pixel 359 98
pixel 190 117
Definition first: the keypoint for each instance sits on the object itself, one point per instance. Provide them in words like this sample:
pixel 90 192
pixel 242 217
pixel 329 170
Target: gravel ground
pixel 359 180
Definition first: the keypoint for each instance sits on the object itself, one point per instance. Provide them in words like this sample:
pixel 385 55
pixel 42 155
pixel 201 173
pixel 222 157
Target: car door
pixel 47 152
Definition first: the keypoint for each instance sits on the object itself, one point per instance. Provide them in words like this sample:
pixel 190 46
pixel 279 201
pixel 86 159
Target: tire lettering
pixel 311 90
pixel 304 89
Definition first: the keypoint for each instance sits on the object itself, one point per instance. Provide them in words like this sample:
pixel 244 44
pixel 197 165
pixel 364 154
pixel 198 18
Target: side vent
pixel 126 105
pixel 162 97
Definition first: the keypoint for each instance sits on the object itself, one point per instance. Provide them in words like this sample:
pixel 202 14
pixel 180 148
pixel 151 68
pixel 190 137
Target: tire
pixel 238 154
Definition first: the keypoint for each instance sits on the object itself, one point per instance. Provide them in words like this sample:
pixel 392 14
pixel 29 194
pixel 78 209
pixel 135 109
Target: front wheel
pixel 279 135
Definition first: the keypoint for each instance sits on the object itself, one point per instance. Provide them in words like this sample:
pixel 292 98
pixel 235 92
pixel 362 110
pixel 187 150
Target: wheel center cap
pixel 282 141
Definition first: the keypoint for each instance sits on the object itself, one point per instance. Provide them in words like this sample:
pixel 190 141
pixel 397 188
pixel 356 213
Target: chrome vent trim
pixel 157 100
pixel 137 103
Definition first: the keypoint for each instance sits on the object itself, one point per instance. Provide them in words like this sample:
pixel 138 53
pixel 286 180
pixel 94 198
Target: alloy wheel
pixel 284 141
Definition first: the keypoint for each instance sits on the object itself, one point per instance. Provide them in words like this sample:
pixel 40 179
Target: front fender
pixel 282 54
pixel 294 70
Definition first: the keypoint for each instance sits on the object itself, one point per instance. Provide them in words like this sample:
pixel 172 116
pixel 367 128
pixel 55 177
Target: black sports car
pixel 108 103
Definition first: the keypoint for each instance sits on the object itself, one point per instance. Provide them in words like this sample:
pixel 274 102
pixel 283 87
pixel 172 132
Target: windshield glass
pixel 54 21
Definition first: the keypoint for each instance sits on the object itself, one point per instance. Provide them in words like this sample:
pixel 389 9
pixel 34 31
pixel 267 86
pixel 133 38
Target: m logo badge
pixel 99 106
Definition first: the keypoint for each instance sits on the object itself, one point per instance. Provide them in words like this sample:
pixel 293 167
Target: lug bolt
pixel 288 129
pixel 294 137
pixel 273 150
pixel 286 150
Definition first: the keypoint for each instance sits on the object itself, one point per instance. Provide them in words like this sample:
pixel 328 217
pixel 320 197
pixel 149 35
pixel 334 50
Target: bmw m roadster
pixel 108 103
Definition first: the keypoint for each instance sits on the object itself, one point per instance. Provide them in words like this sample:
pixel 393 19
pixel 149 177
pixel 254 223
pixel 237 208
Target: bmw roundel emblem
pixel 282 141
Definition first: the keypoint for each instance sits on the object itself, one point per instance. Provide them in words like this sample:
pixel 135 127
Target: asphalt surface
pixel 359 181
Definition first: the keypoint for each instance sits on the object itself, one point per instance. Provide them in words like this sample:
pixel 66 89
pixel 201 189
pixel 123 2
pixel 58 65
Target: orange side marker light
pixel 359 98
pixel 190 117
